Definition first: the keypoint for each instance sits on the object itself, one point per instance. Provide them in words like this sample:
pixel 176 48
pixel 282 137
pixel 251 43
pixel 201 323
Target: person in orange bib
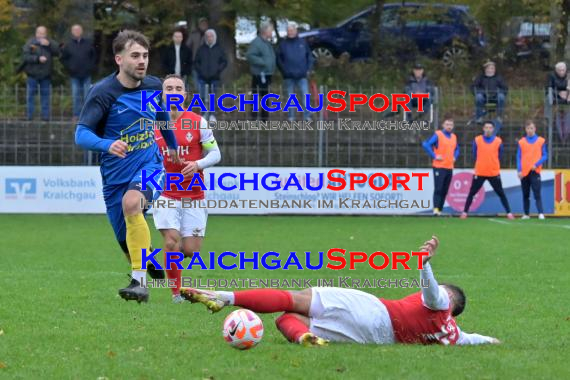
pixel 531 154
pixel 487 150
pixel 444 150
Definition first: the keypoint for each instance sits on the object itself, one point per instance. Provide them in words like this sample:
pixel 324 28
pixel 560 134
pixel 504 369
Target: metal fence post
pixel 436 108
pixel 320 131
pixel 548 110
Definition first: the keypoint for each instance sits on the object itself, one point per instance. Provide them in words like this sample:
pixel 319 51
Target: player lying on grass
pixel 316 316
pixel 183 228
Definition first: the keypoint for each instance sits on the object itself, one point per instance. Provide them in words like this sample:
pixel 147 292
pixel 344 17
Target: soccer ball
pixel 243 329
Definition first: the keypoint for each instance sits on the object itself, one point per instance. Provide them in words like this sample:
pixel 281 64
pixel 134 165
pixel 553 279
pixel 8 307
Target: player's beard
pixel 135 74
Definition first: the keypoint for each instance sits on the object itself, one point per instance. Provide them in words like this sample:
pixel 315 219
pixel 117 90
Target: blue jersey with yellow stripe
pixel 113 112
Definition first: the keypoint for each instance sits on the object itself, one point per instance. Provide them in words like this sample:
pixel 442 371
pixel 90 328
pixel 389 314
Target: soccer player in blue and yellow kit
pixel 110 123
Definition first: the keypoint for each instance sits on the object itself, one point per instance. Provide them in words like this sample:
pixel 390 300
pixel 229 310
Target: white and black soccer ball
pixel 243 329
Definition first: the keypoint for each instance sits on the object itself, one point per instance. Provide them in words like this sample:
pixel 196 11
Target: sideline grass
pixel 61 317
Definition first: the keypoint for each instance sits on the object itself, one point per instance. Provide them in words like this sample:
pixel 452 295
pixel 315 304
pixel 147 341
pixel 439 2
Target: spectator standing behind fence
pixel 177 57
pixel 79 58
pixel 195 40
pixel 295 60
pixel 531 154
pixel 443 148
pixel 418 83
pixel 558 82
pixel 261 58
pixel 210 62
pixel 39 53
pixel 489 87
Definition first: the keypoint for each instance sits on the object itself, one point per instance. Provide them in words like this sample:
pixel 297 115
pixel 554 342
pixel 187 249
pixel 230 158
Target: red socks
pixel 173 274
pixel 291 326
pixel 272 301
pixel 264 300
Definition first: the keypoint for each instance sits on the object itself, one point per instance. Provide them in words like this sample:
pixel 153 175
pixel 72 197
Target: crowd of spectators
pixel 200 58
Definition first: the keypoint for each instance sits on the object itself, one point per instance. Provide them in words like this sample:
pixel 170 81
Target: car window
pixel 360 23
pixel 389 18
pixel 426 16
pixel 536 29
pixel 466 19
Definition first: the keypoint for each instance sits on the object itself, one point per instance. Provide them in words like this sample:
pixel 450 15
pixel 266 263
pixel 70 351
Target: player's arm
pixel 85 136
pixel 167 134
pixel 457 152
pixel 501 151
pixel 519 160
pixel 434 297
pixel 473 339
pixel 428 144
pixel 209 146
pixel 544 156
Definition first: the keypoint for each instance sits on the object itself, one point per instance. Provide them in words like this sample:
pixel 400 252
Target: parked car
pixel 441 31
pixel 246 31
pixel 529 39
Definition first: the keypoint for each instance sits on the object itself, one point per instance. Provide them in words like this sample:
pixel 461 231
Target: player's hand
pixel 430 246
pixel 190 168
pixel 495 341
pixel 174 157
pixel 533 168
pixel 42 59
pixel 119 148
pixel 520 175
pixel 439 157
pixel 44 42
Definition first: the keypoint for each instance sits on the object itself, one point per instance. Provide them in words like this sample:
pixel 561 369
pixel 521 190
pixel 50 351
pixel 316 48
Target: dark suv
pixel 441 31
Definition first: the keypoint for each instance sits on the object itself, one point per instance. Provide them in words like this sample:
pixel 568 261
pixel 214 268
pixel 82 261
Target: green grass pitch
pixel 60 316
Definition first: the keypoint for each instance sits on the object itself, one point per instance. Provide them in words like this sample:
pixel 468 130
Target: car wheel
pixel 454 55
pixel 323 55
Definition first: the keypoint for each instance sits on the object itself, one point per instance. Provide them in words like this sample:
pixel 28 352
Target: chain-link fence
pixel 349 139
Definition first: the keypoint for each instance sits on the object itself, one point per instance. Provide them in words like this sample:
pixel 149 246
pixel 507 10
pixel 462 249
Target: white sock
pixel 140 276
pixel 227 297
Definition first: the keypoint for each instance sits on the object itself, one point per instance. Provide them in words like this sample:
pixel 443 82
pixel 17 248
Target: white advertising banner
pixel 363 200
pixel 78 189
pixel 51 189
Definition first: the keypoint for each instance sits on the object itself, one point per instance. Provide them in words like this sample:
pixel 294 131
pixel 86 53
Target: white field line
pixel 525 223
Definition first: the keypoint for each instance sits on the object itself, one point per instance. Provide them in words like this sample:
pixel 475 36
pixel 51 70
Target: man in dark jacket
pixel 210 62
pixel 418 83
pixel 558 82
pixel 489 87
pixel 177 58
pixel 194 41
pixel 261 58
pixel 79 58
pixel 295 60
pixel 39 53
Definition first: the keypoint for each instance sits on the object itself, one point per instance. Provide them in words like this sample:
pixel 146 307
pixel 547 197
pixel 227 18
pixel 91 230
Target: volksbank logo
pixel 20 188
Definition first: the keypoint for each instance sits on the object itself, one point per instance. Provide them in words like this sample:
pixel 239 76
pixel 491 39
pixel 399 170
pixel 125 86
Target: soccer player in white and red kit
pixel 316 316
pixel 183 228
